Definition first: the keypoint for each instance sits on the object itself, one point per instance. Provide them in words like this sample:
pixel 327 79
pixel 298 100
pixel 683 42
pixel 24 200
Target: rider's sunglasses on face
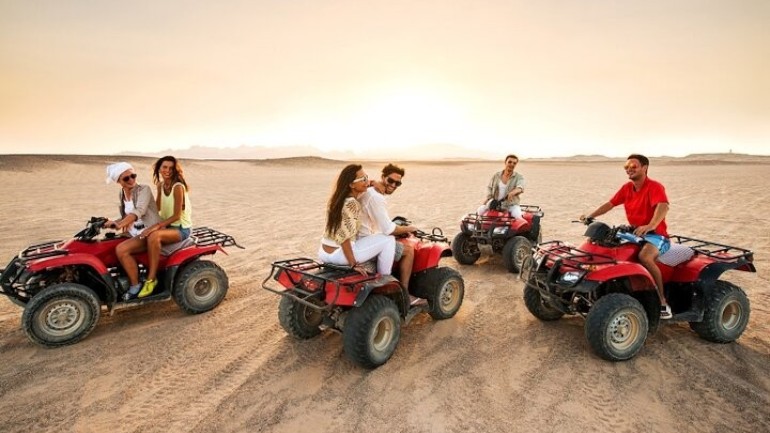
pixel 364 178
pixel 392 181
pixel 128 177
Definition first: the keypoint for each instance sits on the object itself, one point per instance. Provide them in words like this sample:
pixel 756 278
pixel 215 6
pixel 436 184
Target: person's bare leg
pixel 154 243
pixel 124 253
pixel 647 257
pixel 405 265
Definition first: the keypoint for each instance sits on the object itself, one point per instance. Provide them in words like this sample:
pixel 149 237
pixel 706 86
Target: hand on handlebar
pixel 643 230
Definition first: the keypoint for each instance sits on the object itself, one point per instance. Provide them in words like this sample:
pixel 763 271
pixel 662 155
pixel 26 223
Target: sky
pixel 536 78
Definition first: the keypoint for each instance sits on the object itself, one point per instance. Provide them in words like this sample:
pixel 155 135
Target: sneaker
pixel 665 312
pixel 147 289
pixel 132 292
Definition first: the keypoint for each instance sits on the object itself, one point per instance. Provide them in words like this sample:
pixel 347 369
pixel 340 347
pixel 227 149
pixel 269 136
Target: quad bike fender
pixel 427 255
pixel 520 225
pixel 388 288
pixel 68 260
pixel 706 271
pixel 635 273
pixel 186 254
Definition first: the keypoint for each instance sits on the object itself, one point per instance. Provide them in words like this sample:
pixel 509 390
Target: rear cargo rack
pixel 207 236
pixel 714 250
pixel 309 278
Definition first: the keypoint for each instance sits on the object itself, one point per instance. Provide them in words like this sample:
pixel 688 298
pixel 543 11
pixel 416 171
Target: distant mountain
pixel 429 152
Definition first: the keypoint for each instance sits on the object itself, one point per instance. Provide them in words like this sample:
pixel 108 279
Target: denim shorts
pixel 184 233
pixel 658 241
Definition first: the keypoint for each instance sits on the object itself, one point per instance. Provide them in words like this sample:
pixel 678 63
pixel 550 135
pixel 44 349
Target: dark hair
pixel 337 200
pixel 177 174
pixel 641 158
pixel 392 168
pixel 511 156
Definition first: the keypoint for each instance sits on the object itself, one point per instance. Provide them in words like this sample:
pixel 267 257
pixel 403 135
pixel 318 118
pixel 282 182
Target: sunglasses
pixel 392 181
pixel 364 178
pixel 128 177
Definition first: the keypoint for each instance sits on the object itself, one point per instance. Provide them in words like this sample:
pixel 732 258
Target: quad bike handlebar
pixel 436 235
pixel 92 229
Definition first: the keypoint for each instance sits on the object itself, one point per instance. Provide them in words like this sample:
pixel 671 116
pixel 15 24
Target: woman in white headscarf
pixel 137 211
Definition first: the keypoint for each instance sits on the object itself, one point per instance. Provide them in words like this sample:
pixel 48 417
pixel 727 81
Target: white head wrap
pixel 114 171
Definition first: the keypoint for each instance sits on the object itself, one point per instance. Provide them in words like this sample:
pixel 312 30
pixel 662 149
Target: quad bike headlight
pixel 571 277
pixel 500 230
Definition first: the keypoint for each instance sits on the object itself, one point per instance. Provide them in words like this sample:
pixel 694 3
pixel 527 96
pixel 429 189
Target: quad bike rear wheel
pixel 299 320
pixel 371 331
pixel 537 306
pixel 200 286
pixel 616 327
pixel 61 314
pixel 726 314
pixel 465 250
pixel 443 288
pixel 515 251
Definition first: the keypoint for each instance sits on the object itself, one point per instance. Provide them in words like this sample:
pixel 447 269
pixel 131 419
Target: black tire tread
pixel 357 326
pixel 710 329
pixel 534 303
pixel 597 322
pixel 458 243
pixel 291 317
pixel 427 284
pixel 187 272
pixel 56 291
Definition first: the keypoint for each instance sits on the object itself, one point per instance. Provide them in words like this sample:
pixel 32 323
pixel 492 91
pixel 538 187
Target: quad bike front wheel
pixel 61 314
pixel 515 251
pixel 372 331
pixel 444 289
pixel 726 314
pixel 200 286
pixel 298 319
pixel 465 250
pixel 616 327
pixel 538 307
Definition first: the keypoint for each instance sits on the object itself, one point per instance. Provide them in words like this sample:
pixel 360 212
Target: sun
pixel 396 118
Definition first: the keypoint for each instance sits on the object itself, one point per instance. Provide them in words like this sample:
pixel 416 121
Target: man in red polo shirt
pixel 646 205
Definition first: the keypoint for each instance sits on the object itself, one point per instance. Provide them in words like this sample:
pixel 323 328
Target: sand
pixel 492 368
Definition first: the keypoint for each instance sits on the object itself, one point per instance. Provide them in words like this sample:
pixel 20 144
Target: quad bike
pixel 367 310
pixel 63 285
pixel 512 237
pixel 603 281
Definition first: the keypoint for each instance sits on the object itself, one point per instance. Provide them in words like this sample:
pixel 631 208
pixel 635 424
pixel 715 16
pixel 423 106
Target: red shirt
pixel 640 205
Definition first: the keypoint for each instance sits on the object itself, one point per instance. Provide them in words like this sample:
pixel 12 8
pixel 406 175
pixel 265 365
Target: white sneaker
pixel 665 312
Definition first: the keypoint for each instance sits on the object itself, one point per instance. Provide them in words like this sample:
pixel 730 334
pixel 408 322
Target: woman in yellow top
pixel 175 215
pixel 339 245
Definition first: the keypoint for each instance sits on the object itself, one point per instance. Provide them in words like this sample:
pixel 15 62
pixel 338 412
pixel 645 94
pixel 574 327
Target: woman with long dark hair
pixel 175 212
pixel 339 245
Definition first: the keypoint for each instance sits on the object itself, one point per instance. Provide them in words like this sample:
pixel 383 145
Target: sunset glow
pixel 540 79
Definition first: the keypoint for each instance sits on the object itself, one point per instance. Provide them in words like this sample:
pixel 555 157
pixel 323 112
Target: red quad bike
pixel 603 281
pixel 367 310
pixel 513 237
pixel 62 285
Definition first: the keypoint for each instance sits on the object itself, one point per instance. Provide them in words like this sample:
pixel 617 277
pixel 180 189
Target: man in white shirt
pixel 375 219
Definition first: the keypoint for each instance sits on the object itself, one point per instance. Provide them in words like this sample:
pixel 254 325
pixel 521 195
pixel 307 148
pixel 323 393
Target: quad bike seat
pixel 676 255
pixel 169 249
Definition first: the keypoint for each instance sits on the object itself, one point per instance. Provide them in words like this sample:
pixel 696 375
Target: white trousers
pixel 514 210
pixel 377 245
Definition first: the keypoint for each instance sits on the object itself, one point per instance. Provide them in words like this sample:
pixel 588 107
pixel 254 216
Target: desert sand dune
pixel 492 368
